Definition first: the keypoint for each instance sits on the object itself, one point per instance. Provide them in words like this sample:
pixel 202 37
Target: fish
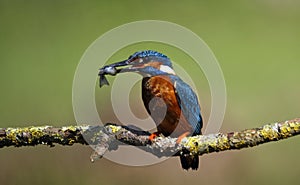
pixel 106 70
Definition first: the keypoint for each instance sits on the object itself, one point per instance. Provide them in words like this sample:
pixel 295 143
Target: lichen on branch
pixel 110 136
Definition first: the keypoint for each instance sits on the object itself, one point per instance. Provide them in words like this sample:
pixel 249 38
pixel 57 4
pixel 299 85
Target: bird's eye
pixel 140 60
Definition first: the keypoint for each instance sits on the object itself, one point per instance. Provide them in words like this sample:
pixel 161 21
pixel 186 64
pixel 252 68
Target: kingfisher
pixel 171 103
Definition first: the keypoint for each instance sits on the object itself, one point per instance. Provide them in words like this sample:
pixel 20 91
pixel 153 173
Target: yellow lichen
pixel 192 144
pixel 72 128
pixel 11 134
pixel 285 130
pixel 114 129
pixel 223 143
pixel 295 126
pixel 269 132
pixel 36 132
pixel 71 141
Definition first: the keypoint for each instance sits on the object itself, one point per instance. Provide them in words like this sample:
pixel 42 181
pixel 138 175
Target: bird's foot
pixel 153 136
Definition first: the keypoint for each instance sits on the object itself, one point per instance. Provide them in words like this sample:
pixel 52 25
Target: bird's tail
pixel 189 161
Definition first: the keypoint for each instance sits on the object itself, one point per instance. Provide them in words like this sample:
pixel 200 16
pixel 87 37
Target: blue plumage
pixel 146 53
pixel 188 103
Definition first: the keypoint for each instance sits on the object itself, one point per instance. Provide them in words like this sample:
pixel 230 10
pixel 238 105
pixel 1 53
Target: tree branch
pixel 110 136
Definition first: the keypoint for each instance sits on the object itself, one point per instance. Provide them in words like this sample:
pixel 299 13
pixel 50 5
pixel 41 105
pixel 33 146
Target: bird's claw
pixel 153 136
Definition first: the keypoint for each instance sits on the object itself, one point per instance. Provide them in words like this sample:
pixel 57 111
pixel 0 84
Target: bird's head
pixel 146 63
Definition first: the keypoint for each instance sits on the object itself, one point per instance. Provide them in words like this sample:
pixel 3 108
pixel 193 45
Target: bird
pixel 171 103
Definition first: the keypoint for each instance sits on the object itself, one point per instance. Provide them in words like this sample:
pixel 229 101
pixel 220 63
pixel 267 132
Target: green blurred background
pixel 256 43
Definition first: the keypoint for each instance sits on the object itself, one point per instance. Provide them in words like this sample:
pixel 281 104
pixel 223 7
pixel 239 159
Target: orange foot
pixel 153 136
pixel 182 136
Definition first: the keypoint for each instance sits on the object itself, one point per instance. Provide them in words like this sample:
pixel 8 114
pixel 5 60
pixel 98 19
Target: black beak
pixel 111 70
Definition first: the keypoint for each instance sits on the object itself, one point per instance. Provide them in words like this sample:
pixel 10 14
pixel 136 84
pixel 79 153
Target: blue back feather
pixel 188 103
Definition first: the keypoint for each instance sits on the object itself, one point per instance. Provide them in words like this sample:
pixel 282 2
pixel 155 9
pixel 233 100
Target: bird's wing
pixel 188 103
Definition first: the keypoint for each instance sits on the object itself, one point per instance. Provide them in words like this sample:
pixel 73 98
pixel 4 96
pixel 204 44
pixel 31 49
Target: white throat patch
pixel 167 69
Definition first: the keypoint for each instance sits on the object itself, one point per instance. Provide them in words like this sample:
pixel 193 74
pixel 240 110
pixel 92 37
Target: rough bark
pixel 110 136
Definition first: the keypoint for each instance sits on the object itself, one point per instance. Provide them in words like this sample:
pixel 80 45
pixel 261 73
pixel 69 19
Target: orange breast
pixel 160 100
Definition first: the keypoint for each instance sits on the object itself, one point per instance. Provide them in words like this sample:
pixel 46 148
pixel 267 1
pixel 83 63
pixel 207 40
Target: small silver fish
pixel 106 70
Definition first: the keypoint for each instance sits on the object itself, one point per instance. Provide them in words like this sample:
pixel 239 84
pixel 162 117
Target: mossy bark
pixel 108 137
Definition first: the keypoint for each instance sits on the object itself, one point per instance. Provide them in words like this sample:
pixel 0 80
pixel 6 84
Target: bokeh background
pixel 256 43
